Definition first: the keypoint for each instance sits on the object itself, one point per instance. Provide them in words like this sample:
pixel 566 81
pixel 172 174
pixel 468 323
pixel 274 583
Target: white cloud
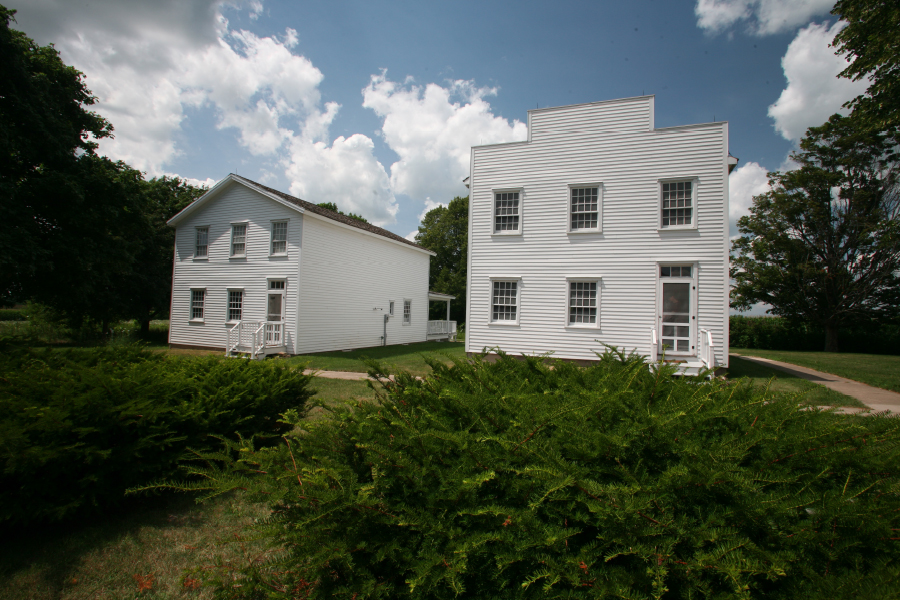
pixel 432 132
pixel 411 236
pixel 429 206
pixel 813 91
pixel 763 17
pixel 745 182
pixel 208 182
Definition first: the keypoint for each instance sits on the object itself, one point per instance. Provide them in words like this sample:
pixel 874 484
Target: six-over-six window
pixel 504 301
pixel 584 208
pixel 506 212
pixel 583 303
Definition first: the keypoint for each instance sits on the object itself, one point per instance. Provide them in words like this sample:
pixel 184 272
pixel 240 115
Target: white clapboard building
pixel 601 229
pixel 260 272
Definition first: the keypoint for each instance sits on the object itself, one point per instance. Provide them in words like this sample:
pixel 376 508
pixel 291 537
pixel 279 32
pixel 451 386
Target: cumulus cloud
pixel 411 236
pixel 813 91
pixel 762 17
pixel 745 182
pixel 432 129
pixel 429 206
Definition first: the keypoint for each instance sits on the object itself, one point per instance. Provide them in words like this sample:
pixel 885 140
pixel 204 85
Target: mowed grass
pixel 813 393
pixel 407 357
pixel 878 370
pixel 149 552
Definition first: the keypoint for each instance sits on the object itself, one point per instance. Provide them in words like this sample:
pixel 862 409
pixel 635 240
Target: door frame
pixel 692 321
pixel 283 293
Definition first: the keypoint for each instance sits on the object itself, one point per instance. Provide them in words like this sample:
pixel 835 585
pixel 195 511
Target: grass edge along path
pixel 878 370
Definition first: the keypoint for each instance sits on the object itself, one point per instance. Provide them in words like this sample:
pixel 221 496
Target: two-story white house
pixel 259 272
pixel 601 229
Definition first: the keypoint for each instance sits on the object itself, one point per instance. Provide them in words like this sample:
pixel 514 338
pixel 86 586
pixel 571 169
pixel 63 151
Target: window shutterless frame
pixel 583 302
pixel 677 207
pixel 506 211
pixel 585 208
pixel 201 243
pixel 239 231
pixel 504 301
pixel 197 308
pixel 407 311
pixel 391 308
pixel 278 238
pixel 234 308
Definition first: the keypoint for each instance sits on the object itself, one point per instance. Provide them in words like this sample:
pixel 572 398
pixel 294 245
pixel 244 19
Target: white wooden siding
pixel 219 272
pixel 614 144
pixel 346 283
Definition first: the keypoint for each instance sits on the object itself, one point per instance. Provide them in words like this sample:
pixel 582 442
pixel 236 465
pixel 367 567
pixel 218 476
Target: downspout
pixel 384 337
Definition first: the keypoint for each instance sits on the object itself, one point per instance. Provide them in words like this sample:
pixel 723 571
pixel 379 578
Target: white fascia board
pixel 693 126
pixel 217 189
pixel 309 213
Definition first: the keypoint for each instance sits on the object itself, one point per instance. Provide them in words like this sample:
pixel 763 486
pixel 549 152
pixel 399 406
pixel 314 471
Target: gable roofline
pixel 301 206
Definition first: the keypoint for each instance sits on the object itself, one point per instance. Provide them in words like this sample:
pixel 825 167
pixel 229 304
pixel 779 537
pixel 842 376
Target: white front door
pixel 676 311
pixel 275 314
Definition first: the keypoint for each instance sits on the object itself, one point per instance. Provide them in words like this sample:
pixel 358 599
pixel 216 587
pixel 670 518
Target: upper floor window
pixel 584 208
pixel 583 302
pixel 677 204
pixel 504 301
pixel 507 212
pixel 407 312
pixel 279 237
pixel 239 239
pixel 198 302
pixel 201 244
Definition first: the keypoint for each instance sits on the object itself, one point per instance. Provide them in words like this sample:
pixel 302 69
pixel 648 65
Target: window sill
pixel 197 321
pixel 198 258
pixel 677 228
pixel 592 326
pixel 239 256
pixel 505 233
pixel 279 255
pixel 503 324
pixel 583 231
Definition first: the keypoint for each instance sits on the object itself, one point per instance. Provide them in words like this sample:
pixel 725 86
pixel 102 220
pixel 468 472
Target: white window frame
pixel 196 245
pixel 228 292
pixel 272 237
pixel 579 279
pixel 246 226
pixel 203 308
pixel 692 320
pixel 518 304
pixel 577 186
pixel 407 317
pixel 695 186
pixel 391 308
pixel 494 192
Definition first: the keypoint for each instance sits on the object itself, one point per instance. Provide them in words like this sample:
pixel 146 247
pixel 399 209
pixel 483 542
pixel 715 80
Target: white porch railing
pixel 253 337
pixel 442 329
pixel 707 349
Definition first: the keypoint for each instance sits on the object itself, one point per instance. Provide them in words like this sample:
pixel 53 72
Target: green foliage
pixel 871 42
pixel 776 333
pixel 12 314
pixel 822 257
pixel 445 230
pixel 333 207
pixel 79 427
pixel 524 479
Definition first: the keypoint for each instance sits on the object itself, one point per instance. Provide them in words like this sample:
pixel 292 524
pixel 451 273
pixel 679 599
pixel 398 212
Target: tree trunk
pixel 145 328
pixel 831 338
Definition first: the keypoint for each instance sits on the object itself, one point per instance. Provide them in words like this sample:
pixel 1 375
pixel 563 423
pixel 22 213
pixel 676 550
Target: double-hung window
pixel 239 239
pixel 677 204
pixel 584 208
pixel 235 304
pixel 198 304
pixel 507 212
pixel 279 238
pixel 391 308
pixel 505 301
pixel 407 312
pixel 584 302
pixel 201 242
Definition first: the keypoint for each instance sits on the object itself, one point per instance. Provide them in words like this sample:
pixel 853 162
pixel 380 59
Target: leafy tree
pixel 445 230
pixel 333 206
pixel 823 246
pixel 871 41
pixel 44 128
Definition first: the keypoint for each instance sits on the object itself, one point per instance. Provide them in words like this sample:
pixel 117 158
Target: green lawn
pixel 814 394
pixel 874 369
pixel 406 357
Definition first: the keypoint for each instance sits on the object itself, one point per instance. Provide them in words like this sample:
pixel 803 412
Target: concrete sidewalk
pixel 877 399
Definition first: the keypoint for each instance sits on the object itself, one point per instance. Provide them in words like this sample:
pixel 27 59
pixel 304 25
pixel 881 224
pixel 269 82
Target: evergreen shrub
pixel 12 314
pixel 776 333
pixel 79 427
pixel 523 479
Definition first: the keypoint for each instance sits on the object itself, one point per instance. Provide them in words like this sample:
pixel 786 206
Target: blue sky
pixel 373 105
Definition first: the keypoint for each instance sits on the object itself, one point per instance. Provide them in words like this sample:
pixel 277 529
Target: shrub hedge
pixel 79 427
pixel 12 314
pixel 523 479
pixel 775 333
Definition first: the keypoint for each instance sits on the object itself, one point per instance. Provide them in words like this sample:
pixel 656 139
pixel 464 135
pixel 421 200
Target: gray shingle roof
pixel 330 214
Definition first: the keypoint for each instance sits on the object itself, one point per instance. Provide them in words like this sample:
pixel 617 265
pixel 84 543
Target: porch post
pixel 448 310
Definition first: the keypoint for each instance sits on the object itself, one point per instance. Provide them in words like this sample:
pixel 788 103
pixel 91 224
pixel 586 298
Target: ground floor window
pixel 583 303
pixel 504 301
pixel 407 312
pixel 235 304
pixel 198 300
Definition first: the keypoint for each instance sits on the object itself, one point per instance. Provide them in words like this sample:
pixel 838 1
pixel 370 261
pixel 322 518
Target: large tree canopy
pixel 871 41
pixel 823 246
pixel 445 230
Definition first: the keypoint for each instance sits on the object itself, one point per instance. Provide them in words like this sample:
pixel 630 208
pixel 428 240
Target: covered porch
pixel 442 329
